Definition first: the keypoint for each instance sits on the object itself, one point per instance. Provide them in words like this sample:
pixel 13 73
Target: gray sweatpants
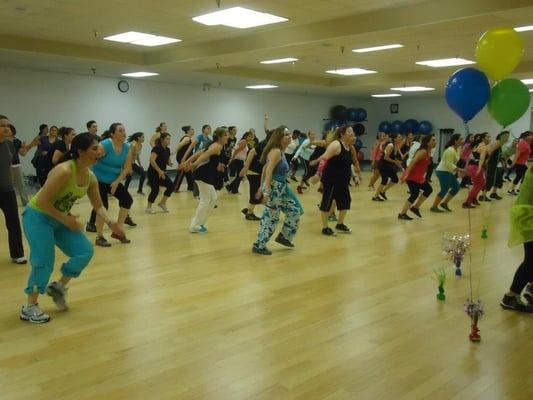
pixel 18 182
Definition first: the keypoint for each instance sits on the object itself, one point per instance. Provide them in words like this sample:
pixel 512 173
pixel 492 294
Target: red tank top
pixel 418 172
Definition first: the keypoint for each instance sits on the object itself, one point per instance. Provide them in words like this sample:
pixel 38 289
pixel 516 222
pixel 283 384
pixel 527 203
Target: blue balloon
pixel 425 127
pixel 384 126
pixel 360 115
pixel 410 126
pixel 467 92
pixel 351 114
pixel 396 127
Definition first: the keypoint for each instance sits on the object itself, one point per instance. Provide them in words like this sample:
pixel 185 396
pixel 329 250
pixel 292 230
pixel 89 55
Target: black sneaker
pixel 444 206
pixel 102 242
pixel 416 212
pixel 283 241
pixel 512 193
pixel 90 227
pixel 405 217
pixel 484 198
pixel 468 205
pixel 528 293
pixel 495 196
pixel 244 211
pixel 328 232
pixel 515 303
pixel 129 221
pixel 383 196
pixel 377 198
pixel 436 210
pixel 264 251
pixel 252 217
pixel 342 228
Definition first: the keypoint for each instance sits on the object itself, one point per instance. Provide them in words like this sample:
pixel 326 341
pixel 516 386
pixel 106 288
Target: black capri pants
pixel 494 177
pixel 155 181
pixel 254 181
pixel 386 174
pixel 415 188
pixel 121 194
pixel 338 192
pixel 520 172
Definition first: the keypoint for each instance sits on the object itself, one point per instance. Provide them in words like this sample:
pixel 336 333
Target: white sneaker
pixel 149 210
pixel 58 294
pixel 20 260
pixel 32 313
pixel 163 207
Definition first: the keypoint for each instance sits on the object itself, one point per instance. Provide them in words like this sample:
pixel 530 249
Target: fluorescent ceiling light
pixel 280 60
pixel 140 74
pixel 387 95
pixel 527 81
pixel 261 87
pixel 413 89
pixel 445 62
pixel 238 17
pixel 351 71
pixel 377 48
pixel 530 90
pixel 524 28
pixel 141 39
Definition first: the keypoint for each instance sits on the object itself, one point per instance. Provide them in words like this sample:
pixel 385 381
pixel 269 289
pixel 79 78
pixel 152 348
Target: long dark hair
pixel 469 138
pixel 136 136
pixel 502 133
pixel 64 131
pixel 274 142
pixel 525 134
pixel 113 128
pixel 478 138
pixel 186 128
pixel 245 136
pixel 424 143
pixel 81 142
pixel 455 137
pixel 162 136
pixel 341 130
pixel 158 129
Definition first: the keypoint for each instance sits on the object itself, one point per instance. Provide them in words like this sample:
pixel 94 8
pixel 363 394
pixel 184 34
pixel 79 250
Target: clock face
pixel 123 86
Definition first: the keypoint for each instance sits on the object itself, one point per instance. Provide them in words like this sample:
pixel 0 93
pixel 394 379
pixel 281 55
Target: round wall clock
pixel 123 86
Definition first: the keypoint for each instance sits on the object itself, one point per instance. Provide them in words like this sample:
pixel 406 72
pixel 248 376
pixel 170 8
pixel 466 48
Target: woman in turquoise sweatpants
pixel 277 194
pixel 48 223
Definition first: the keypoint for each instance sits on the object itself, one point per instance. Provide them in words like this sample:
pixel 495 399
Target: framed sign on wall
pixel 394 108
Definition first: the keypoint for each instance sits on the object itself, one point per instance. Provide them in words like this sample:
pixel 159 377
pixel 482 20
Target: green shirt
pixel 522 213
pixel 449 160
pixel 65 198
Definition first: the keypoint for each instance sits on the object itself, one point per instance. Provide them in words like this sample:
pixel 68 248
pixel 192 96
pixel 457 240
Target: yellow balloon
pixel 499 51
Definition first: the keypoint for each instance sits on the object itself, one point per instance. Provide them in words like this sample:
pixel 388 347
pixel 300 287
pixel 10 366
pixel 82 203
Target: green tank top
pixel 522 213
pixel 65 198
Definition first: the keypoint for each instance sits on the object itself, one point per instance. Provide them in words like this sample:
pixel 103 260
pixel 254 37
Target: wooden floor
pixel 176 315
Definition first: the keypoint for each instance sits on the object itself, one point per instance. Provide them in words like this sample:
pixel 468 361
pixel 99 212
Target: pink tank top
pixel 418 172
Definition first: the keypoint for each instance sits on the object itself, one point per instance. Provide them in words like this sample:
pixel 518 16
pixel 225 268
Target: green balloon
pixel 509 100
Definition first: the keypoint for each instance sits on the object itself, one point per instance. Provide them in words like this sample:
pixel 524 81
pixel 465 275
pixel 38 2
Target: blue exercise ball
pixel 351 114
pixel 425 127
pixel 359 129
pixel 384 126
pixel 338 112
pixel 360 115
pixel 396 127
pixel 410 126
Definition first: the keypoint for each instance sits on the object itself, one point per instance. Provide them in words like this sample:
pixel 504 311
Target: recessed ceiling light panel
pixel 527 81
pixel 238 17
pixel 261 87
pixel 524 28
pixel 280 60
pixel 378 48
pixel 140 74
pixel 413 89
pixel 351 71
pixel 445 62
pixel 387 95
pixel 141 39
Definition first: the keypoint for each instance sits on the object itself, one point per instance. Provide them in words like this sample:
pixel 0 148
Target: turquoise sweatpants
pixel 447 181
pixel 43 234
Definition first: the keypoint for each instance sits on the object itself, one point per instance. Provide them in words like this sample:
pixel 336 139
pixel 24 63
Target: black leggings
pixel 179 179
pixel 155 181
pixel 520 172
pixel 415 188
pixel 235 169
pixel 142 175
pixel 338 192
pixel 524 273
pixel 386 174
pixel 121 194
pixel 254 181
pixel 494 177
pixel 8 205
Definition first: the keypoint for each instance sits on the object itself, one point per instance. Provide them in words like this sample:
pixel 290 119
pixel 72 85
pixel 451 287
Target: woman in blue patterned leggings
pixel 277 194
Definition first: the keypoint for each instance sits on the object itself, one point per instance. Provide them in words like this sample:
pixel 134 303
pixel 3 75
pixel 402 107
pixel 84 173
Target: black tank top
pixel 208 172
pixel 394 155
pixel 319 150
pixel 181 152
pixel 338 169
pixel 475 158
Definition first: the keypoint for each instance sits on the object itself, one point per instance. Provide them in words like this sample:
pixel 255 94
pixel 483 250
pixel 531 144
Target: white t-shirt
pixel 414 147
pixel 293 145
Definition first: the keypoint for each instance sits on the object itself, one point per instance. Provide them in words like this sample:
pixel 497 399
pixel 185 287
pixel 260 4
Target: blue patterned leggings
pixel 279 201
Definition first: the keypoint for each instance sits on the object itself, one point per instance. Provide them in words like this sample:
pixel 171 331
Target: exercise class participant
pixel 157 176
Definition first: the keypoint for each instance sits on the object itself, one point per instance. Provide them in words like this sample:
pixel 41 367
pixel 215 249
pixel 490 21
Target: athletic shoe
pixel 436 210
pixel 377 198
pixel 512 192
pixel 198 229
pixel 244 211
pixel 252 217
pixel 283 241
pixel 342 228
pixel 149 210
pixel 294 179
pixel 416 212
pixel 58 295
pixel 383 196
pixel 484 198
pixel 495 196
pixel 163 207
pixel 306 183
pixel 332 218
pixel 515 303
pixel 90 227
pixel 528 293
pixel 506 178
pixel 476 203
pixel 140 193
pixel 299 189
pixel 468 205
pixel 121 239
pixel 328 232
pixel 102 242
pixel 19 260
pixel 444 206
pixel 129 221
pixel 405 217
pixel 264 251
pixel 32 313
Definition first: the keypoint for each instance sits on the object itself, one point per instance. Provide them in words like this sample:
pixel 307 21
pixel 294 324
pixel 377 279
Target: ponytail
pixel 81 142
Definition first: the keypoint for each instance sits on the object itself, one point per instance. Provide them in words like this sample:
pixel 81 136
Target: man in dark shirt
pixel 8 200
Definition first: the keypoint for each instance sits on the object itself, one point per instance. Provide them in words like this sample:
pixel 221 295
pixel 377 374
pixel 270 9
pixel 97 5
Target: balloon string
pixel 470 254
